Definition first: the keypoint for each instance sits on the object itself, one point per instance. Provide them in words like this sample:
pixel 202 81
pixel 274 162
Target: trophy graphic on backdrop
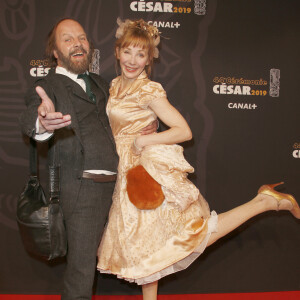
pixel 274 82
pixel 95 63
pixel 200 7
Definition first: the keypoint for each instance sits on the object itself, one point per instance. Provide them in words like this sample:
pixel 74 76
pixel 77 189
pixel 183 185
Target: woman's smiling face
pixel 133 60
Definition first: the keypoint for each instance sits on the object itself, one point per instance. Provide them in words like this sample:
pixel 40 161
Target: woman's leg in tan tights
pixel 150 291
pixel 235 217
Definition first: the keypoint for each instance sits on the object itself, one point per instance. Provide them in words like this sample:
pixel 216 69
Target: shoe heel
pixel 268 189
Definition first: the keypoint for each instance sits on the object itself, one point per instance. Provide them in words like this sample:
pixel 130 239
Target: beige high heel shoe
pixel 268 189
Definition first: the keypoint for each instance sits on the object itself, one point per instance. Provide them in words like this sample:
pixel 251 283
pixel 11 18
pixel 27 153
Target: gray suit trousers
pixel 84 228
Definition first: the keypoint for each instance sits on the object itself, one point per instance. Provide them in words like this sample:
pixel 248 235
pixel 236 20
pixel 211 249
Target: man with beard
pixel 77 122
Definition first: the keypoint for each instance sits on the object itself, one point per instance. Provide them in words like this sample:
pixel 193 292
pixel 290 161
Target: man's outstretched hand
pixel 49 119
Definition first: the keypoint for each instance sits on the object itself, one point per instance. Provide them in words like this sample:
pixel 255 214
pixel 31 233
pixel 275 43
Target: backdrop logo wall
pixel 172 6
pixel 227 85
pixel 239 86
pixel 39 67
pixel 232 127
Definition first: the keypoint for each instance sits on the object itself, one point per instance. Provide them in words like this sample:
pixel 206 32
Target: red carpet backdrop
pixel 232 69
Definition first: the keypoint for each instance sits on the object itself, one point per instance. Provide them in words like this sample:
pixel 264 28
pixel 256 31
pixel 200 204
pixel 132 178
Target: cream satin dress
pixel 144 245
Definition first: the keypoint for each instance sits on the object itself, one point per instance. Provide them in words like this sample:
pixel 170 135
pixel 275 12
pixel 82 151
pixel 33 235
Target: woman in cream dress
pixel 139 245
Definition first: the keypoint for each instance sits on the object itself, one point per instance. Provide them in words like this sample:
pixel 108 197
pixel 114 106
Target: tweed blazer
pixel 61 90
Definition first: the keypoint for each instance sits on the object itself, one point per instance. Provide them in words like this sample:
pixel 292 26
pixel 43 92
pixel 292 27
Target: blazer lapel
pixel 100 86
pixel 79 92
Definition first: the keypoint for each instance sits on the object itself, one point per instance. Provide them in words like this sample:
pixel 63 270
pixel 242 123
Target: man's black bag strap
pixel 33 158
pixel 54 169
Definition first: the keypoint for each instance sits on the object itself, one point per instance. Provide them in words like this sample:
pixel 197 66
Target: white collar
pixel 64 71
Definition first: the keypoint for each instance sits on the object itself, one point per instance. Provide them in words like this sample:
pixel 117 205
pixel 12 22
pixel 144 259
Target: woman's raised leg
pixel 235 217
